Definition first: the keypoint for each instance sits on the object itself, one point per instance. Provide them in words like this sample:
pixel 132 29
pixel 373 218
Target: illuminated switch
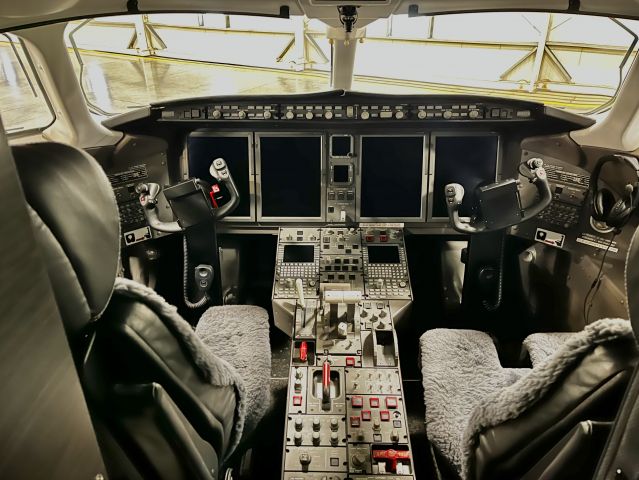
pixel 355 422
pixel 384 416
pixel 374 401
pixel 370 238
pixel 357 401
pixel 350 361
pixel 383 238
pixel 391 402
pixel 366 415
pixel 297 400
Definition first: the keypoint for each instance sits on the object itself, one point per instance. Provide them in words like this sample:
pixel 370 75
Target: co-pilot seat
pixel 167 402
pixel 550 421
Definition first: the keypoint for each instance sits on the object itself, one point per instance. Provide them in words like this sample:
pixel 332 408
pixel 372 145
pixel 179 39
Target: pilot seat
pixel 167 401
pixel 485 421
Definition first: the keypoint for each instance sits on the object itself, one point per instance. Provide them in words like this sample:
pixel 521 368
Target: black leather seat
pixel 485 421
pixel 163 403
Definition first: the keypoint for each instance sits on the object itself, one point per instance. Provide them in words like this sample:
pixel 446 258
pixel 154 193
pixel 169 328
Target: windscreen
pixel 203 149
pixel 392 174
pixel 468 160
pixel 291 176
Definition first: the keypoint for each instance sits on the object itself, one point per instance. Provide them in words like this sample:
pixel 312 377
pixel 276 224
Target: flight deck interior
pixel 339 285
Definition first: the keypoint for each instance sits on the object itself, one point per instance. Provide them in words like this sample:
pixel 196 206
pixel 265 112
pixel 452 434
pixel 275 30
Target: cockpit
pixel 319 240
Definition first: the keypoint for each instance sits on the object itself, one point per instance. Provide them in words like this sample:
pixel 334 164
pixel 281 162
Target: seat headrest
pixel 76 221
pixel 632 282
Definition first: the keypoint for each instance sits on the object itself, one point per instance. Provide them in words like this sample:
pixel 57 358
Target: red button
pixel 357 402
pixel 374 401
pixel 366 415
pixel 297 400
pixel 350 361
pixel 383 238
pixel 384 415
pixel 391 402
pixel 370 238
pixel 355 422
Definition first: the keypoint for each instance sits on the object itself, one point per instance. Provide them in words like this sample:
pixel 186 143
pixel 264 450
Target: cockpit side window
pixel 23 104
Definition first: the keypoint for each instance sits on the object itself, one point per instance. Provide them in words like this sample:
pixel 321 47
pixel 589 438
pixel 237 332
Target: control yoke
pixel 499 202
pixel 193 201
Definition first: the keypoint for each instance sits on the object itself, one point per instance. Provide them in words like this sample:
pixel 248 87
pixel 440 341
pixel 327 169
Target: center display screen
pixel 470 161
pixel 383 254
pixel 291 176
pixel 204 147
pixel 392 176
pixel 299 253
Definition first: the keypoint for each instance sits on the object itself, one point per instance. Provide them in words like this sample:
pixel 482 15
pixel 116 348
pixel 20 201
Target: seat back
pixel 591 389
pixel 156 409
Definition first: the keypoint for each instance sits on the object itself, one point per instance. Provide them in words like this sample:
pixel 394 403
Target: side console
pixel 346 417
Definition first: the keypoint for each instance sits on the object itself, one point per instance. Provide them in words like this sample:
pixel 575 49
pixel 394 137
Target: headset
pixel 606 207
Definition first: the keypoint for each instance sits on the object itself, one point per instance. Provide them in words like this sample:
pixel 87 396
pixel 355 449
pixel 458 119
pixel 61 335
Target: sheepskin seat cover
pixel 466 390
pixel 240 335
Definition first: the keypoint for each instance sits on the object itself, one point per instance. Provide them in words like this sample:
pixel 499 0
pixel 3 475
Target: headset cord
pixel 185 279
pixel 596 284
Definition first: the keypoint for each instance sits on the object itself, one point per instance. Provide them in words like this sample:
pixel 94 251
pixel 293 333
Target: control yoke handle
pixel 149 193
pixel 455 195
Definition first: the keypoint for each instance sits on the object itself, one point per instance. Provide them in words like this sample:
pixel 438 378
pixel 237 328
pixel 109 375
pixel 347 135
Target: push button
pixel 297 400
pixel 357 401
pixel 366 415
pixel 384 415
pixel 355 422
pixel 391 402
pixel 350 361
pixel 374 402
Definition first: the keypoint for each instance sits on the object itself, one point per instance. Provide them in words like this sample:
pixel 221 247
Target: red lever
pixel 326 385
pixel 303 352
pixel 392 456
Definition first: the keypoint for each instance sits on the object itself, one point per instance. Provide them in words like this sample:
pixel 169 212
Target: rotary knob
pixel 316 424
pixel 297 438
pixel 289 115
pixel 298 424
pixel 334 424
pixel 365 115
pixel 267 114
pixel 305 459
pixel 334 439
pixel 448 115
pixel 421 114
pixel 376 425
pixel 309 115
pixel 474 114
pixel 328 115
pixel 216 114
pixel 241 114
pixel 316 438
pixel 358 461
pixel 399 115
pixel 394 436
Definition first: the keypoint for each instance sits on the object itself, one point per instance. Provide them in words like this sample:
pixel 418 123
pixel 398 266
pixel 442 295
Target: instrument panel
pixel 344 158
pixel 320 177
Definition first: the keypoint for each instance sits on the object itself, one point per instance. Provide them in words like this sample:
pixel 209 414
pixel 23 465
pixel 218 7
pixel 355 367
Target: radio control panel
pixel 371 260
